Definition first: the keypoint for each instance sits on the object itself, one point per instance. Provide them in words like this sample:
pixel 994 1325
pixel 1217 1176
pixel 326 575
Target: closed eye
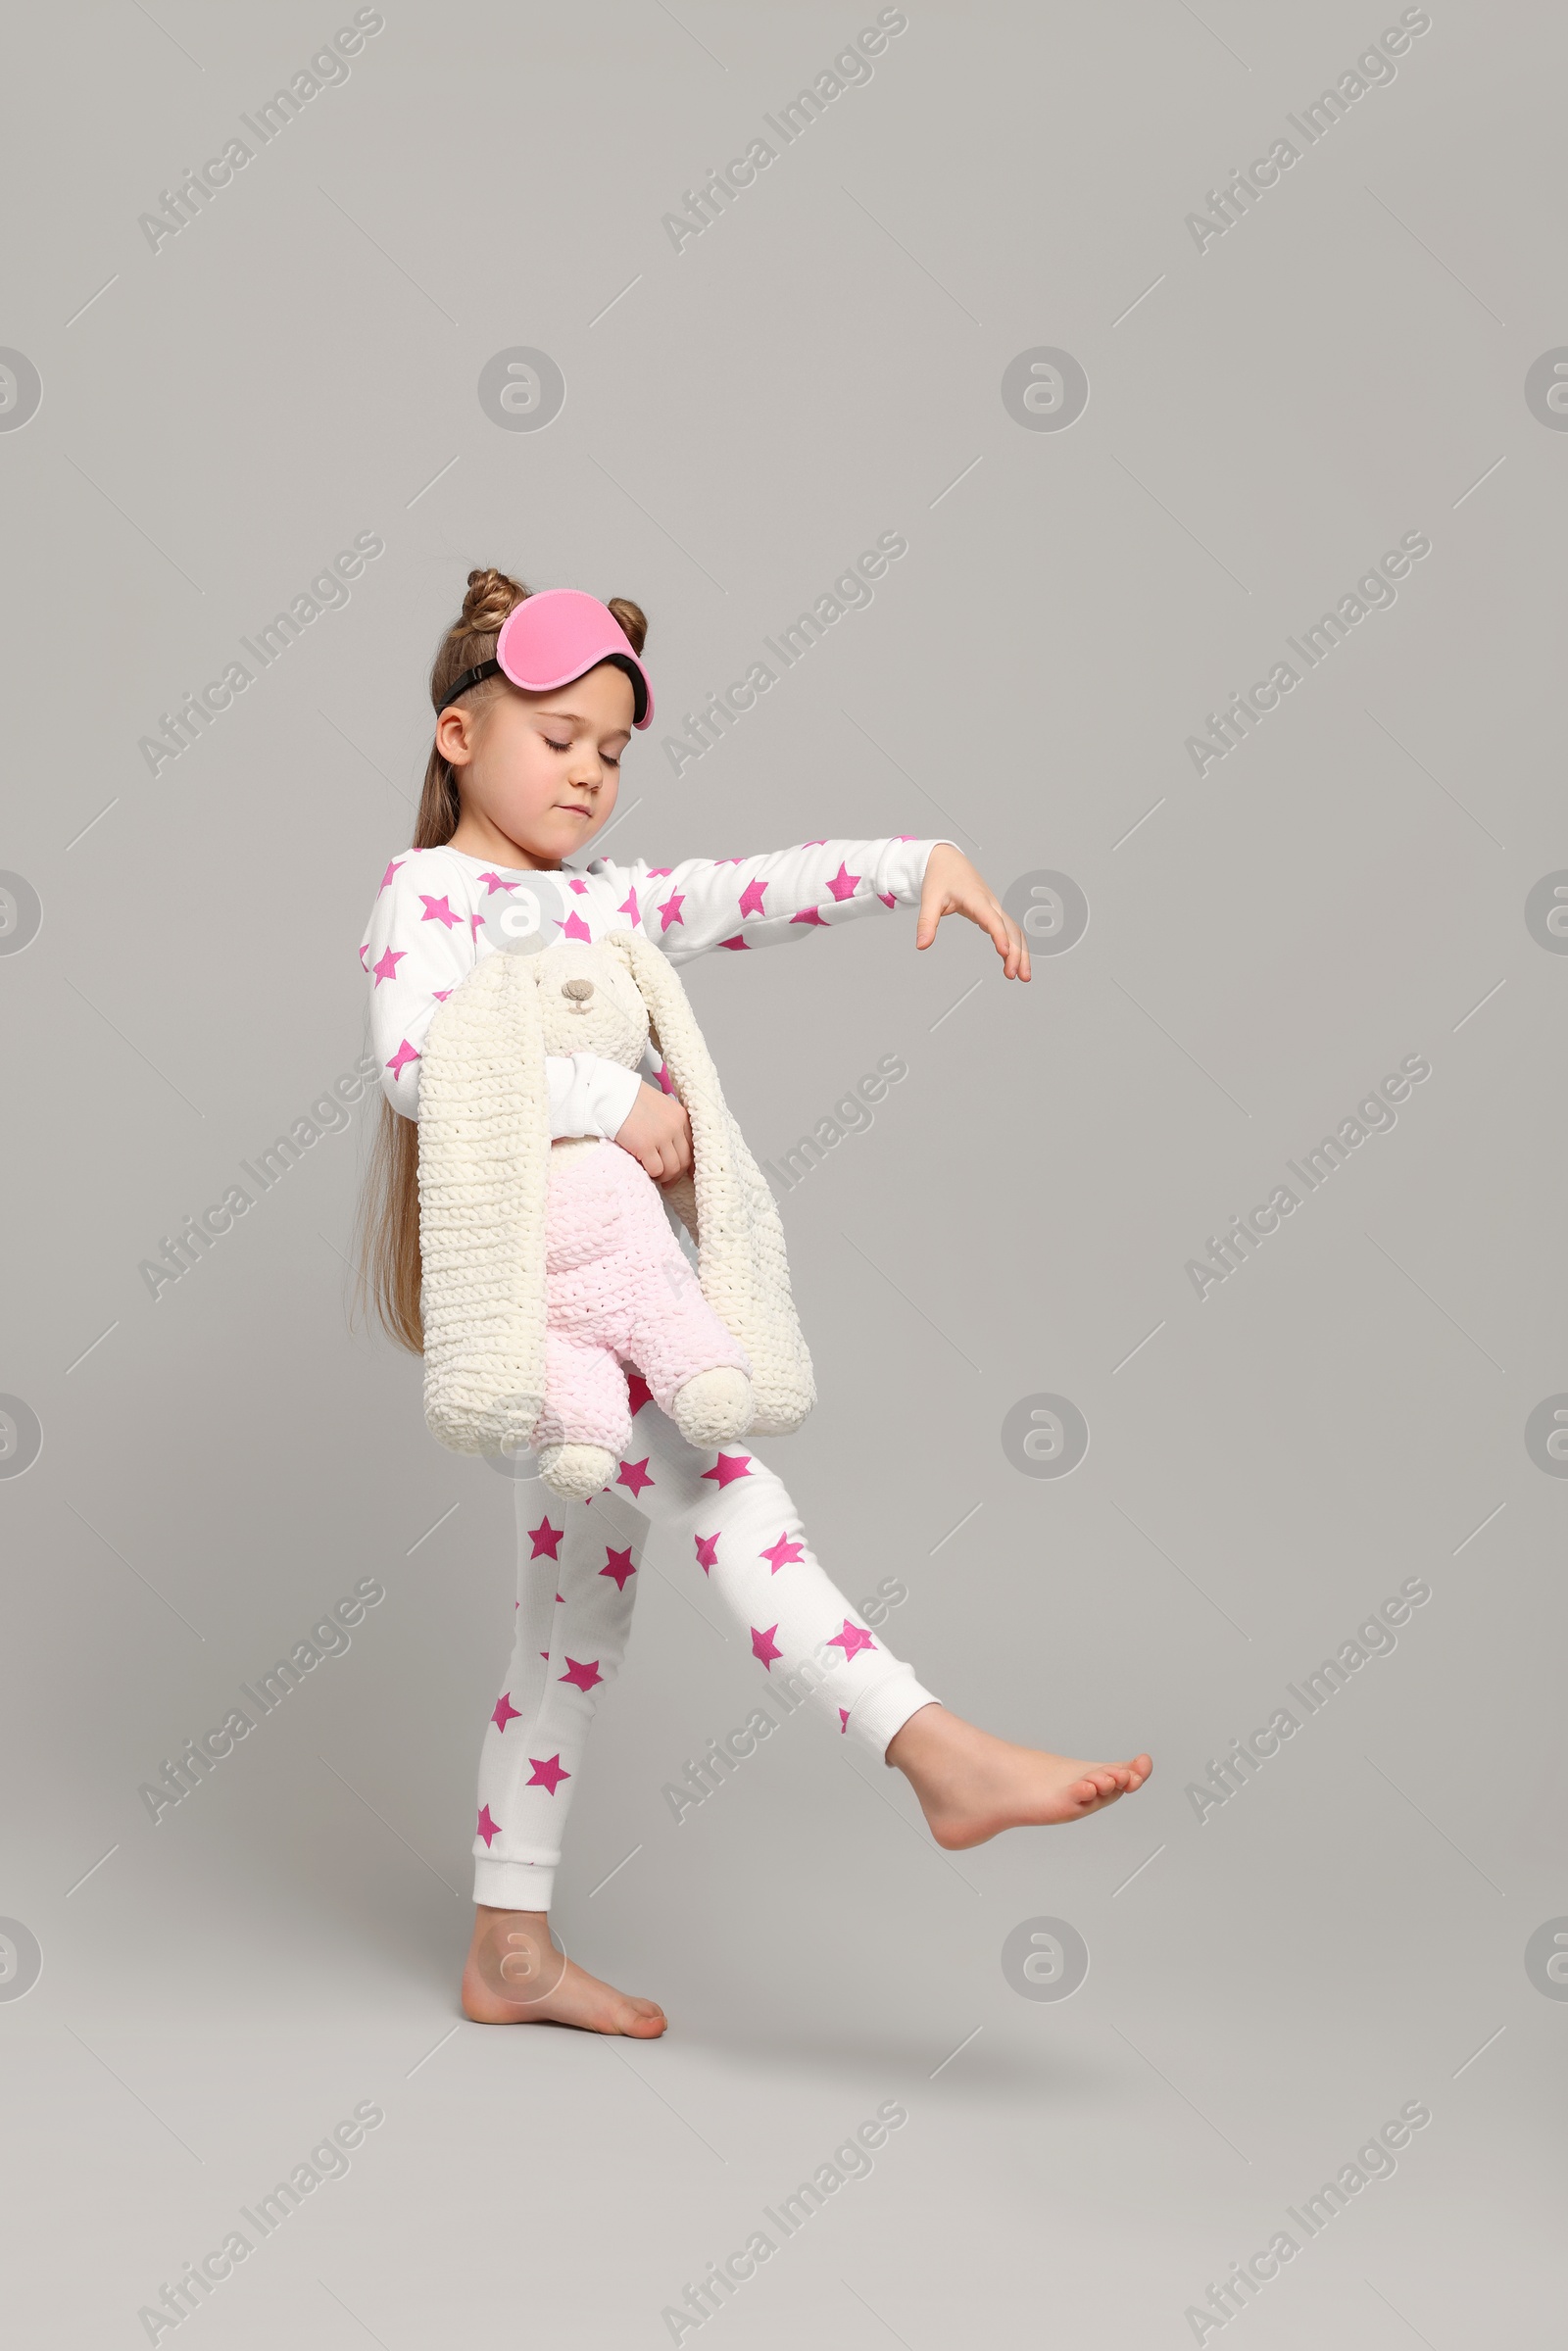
pixel 604 756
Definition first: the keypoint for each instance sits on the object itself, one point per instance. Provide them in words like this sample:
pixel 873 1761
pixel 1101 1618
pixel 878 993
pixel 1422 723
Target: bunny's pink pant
pixel 721 1516
pixel 619 1290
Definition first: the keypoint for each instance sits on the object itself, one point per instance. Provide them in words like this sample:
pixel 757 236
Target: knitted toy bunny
pixel 547 1269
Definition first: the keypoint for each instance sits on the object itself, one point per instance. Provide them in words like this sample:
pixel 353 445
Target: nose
pixel 578 991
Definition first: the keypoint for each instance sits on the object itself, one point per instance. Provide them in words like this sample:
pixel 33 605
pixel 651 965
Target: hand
pixel 951 886
pixel 657 1134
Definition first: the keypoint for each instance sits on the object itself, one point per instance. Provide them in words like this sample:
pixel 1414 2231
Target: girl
pixel 536 700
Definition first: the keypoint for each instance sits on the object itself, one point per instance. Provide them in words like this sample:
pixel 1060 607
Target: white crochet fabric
pixel 484 1163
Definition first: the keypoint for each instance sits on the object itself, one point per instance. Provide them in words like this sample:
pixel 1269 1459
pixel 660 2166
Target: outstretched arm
pixel 763 900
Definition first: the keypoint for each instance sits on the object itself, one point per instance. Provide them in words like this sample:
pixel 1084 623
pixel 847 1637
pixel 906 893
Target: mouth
pixel 573 808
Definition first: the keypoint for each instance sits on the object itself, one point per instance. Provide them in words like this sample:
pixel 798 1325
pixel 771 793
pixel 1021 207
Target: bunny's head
pixel 589 1003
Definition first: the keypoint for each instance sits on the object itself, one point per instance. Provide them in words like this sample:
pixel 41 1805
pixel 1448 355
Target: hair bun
pixel 491 596
pixel 633 620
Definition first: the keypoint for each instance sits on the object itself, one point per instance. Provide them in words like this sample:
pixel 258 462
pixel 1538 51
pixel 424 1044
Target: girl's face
pixel 538 773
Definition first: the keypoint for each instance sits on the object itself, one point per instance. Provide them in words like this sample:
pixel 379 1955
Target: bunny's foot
pixel 575 1471
pixel 713 1406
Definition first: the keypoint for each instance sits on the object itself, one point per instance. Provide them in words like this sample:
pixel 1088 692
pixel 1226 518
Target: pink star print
pixel 813 845
pixel 887 898
pixel 728 1468
pixel 737 941
pixel 635 1475
pixel 364 951
pixel 706 1551
pixel 783 1553
pixel 752 898
pixel 851 1640
pixel 666 1084
pixel 476 925
pixel 437 909
pixel 808 914
pixel 670 910
pixel 581 1676
pixel 546 1539
pixel 638 1392
pixel 390 871
pixel 402 1058
pixel 578 885
pixel 440 995
pixel 765 1648
pixel 493 882
pixel 843 1718
pixel 387 968
pixel 657 874
pixel 628 905
pixel 618 1566
pixel 487 1828
pixel 547 1772
pixel 574 927
pixel 505 1711
pixel 844 884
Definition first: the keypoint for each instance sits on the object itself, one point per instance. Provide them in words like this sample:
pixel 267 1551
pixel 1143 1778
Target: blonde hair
pixel 390 1272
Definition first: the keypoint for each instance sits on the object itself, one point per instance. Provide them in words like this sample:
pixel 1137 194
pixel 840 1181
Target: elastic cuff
pixel 615 1096
pixel 883 1712
pixel 904 874
pixel 513 1884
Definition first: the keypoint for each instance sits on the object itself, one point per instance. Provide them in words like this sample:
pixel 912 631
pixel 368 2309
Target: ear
pixel 742 1266
pixel 625 945
pixel 484 1163
pixel 672 1030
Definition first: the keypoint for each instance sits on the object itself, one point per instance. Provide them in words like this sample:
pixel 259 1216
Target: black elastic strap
pixel 478 676
pixel 469 677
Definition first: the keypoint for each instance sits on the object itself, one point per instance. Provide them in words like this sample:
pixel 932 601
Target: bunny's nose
pixel 578 990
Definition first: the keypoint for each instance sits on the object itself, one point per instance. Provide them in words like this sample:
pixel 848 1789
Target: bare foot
pixel 515 1975
pixel 972 1786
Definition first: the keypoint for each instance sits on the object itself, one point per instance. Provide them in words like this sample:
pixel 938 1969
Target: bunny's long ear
pixel 741 1263
pixel 484 1166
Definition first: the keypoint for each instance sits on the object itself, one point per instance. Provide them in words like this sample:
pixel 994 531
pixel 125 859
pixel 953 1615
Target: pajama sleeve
pixel 417 949
pixel 762 900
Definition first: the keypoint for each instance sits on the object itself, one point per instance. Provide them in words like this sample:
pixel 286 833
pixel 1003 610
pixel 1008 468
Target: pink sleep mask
pixel 551 638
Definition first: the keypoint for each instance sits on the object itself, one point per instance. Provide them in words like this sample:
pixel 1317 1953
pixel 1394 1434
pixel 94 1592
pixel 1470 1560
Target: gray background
pixel 1265 418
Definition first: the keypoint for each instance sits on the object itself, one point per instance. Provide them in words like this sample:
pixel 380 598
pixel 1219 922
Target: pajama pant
pixel 721 1514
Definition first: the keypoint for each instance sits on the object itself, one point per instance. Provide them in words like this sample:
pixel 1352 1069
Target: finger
pixel 1018 955
pixel 933 906
pixel 993 922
